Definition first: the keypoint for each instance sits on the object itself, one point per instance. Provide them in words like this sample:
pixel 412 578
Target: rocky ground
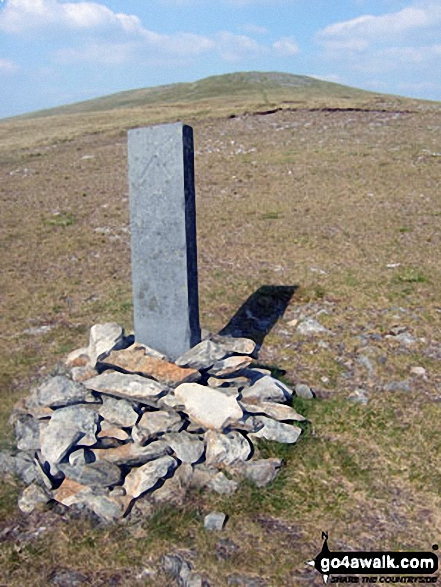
pixel 339 208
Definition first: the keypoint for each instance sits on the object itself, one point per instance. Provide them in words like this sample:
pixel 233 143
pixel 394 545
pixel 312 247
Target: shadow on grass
pixel 258 314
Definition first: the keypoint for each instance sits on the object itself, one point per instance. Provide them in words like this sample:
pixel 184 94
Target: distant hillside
pixel 252 87
pixel 218 96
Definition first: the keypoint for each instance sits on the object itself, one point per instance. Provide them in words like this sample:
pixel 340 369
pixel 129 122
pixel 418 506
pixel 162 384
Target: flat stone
pixel 226 449
pixel 235 382
pixel 310 327
pixel 279 412
pixel 230 365
pixel 188 448
pixel 358 396
pixel 207 406
pixel 59 391
pixel 105 506
pixel 104 338
pixel 267 389
pixel 80 374
pixel 170 401
pixel 78 358
pixel 418 371
pixel 130 387
pixel 135 360
pixel 163 237
pixel 221 484
pixel 109 430
pixel 273 430
pixel 98 474
pixel 303 391
pixel 205 354
pixel 143 478
pixel 260 471
pixel 174 490
pixel 119 412
pixel 152 424
pixel 132 454
pixel 27 433
pixel 67 427
pixel 215 521
pixel 68 578
pixel 32 497
pixel 25 468
pixel 403 385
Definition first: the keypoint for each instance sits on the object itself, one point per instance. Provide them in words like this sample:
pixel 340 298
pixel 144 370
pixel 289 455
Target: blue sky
pixel 55 52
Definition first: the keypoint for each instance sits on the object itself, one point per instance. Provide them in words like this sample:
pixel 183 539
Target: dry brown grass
pixel 322 200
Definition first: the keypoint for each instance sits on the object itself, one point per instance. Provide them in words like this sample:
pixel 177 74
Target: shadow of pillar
pixel 258 314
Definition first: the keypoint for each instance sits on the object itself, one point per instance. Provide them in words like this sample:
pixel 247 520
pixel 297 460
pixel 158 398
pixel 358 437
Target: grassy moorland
pixel 335 192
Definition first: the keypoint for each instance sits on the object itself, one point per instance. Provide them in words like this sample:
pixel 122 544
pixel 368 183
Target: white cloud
pixel 359 33
pixel 286 46
pixel 24 15
pixel 255 29
pixel 235 47
pixel 8 66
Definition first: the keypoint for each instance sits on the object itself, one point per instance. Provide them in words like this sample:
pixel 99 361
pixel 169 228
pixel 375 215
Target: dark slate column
pixel 163 236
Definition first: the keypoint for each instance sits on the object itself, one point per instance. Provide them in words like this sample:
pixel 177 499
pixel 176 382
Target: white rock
pixel 67 427
pixel 226 449
pixel 273 410
pixel 32 497
pixel 419 371
pixel 130 387
pixel 278 431
pixel 119 412
pixel 214 521
pixel 143 478
pixel 188 448
pixel 303 391
pixel 309 327
pixel 207 406
pixel 103 338
pixel 267 389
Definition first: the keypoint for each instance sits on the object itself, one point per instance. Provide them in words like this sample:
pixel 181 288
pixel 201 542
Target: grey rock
pixel 207 406
pixel 365 362
pixel 406 339
pixel 267 389
pixel 119 412
pixel 103 339
pixel 181 570
pixel 27 433
pixel 173 490
pixel 109 430
pixel 32 497
pixel 60 391
pixel 7 463
pixel 67 427
pixel 226 548
pixel 25 468
pixel 214 521
pixel 130 387
pixel 130 454
pixel 202 475
pixel 171 402
pixel 154 423
pixel 78 457
pixel 221 484
pixel 273 410
pixel 229 366
pixel 143 478
pixel 358 396
pixel 97 474
pixel 303 391
pixel 68 578
pixel 310 327
pixel 188 448
pixel 226 449
pixel 261 471
pixel 404 385
pixel 202 355
pixel 235 382
pixel 247 423
pixel 277 431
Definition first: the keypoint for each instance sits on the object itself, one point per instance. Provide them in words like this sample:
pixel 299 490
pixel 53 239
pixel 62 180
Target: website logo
pixel 376 563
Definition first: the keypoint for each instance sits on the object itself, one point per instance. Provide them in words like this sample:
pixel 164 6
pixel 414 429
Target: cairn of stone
pixel 124 424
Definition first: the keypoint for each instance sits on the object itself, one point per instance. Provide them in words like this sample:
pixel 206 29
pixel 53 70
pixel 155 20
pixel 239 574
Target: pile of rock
pixel 122 423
